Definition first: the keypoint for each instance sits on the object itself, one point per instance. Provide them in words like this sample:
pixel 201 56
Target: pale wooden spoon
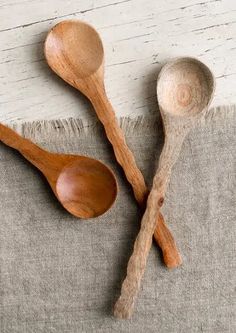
pixel 84 186
pixel 185 89
pixel 74 51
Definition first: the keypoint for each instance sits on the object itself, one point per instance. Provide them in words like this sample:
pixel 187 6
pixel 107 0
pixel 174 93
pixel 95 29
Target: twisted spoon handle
pixel 126 159
pixel 122 152
pixel 137 263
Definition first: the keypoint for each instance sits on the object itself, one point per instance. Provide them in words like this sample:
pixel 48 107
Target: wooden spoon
pixel 74 51
pixel 185 89
pixel 85 187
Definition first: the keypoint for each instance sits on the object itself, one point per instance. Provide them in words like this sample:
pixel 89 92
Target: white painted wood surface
pixel 138 36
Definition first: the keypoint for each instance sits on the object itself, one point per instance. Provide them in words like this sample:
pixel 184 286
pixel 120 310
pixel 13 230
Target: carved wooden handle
pixel 126 159
pixel 137 263
pixel 163 236
pixel 11 138
pixel 122 152
pixel 33 153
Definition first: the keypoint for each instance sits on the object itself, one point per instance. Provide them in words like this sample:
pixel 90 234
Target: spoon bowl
pixel 185 87
pixel 86 187
pixel 74 51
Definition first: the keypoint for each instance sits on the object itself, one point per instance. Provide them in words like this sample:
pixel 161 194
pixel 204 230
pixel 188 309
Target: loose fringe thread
pixel 140 125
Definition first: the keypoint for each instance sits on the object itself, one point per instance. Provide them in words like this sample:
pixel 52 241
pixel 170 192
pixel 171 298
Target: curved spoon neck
pixel 98 94
pixel 168 158
pixel 33 153
pixel 171 149
pixel 37 156
pixel 102 106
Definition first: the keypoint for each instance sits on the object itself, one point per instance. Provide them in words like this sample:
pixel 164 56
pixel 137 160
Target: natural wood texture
pixel 171 256
pixel 84 186
pixel 74 51
pixel 185 89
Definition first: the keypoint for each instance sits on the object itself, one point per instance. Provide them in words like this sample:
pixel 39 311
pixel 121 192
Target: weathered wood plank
pixel 138 37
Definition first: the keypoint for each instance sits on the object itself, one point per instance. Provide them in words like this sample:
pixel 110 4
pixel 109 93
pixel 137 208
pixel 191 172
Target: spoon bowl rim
pixel 73 22
pixel 205 68
pixel 70 163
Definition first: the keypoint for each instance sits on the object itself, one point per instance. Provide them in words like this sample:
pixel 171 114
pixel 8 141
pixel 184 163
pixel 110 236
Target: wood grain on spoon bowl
pixel 74 51
pixel 185 87
pixel 86 187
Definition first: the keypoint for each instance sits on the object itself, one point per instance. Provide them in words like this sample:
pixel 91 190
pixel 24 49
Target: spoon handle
pixel 33 153
pixel 137 263
pixel 126 159
pixel 122 152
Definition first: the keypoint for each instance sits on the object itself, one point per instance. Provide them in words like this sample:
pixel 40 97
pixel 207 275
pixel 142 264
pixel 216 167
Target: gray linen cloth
pixel 62 274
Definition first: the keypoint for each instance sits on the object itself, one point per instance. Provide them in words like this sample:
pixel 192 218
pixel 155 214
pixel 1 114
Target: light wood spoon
pixel 185 89
pixel 84 186
pixel 74 51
